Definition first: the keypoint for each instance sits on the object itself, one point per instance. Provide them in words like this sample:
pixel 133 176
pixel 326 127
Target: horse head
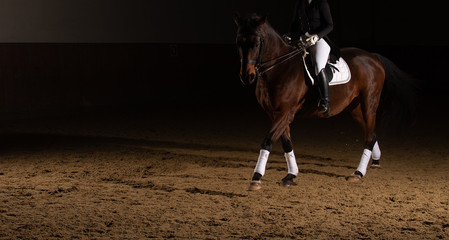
pixel 249 42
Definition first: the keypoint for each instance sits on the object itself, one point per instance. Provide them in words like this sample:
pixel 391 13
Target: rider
pixel 311 23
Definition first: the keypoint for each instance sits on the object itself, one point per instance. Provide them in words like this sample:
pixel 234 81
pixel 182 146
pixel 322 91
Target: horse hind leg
pixel 376 154
pixel 372 149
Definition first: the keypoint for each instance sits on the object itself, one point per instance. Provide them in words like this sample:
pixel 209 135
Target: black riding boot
pixel 323 86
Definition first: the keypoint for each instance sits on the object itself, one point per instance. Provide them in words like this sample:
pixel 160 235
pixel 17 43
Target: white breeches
pixel 320 54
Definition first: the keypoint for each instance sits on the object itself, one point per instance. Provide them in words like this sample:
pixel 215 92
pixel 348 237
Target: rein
pixel 259 64
pixel 284 58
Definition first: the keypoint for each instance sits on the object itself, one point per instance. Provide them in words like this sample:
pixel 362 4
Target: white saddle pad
pixel 341 76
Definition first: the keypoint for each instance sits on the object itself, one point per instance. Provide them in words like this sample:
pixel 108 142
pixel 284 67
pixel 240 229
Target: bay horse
pixel 283 91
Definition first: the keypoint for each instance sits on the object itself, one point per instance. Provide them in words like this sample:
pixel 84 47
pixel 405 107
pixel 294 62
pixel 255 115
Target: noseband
pixel 259 64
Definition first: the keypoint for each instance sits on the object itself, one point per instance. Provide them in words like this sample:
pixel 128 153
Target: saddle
pixel 337 71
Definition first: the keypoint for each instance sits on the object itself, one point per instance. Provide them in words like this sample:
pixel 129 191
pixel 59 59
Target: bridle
pixel 259 58
pixel 259 65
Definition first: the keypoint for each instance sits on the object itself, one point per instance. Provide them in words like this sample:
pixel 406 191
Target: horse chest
pixel 263 95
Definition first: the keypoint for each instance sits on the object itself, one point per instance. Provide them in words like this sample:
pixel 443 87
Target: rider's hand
pixel 287 38
pixel 312 40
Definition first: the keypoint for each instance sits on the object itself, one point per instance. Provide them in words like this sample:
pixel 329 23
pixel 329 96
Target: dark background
pixel 61 56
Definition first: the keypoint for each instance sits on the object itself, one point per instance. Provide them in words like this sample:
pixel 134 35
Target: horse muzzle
pixel 248 74
pixel 248 79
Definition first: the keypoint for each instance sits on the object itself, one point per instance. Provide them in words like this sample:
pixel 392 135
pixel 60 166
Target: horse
pixel 283 92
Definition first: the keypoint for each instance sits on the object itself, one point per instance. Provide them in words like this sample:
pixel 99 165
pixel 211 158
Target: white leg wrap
pixel 262 162
pixel 291 163
pixel 376 152
pixel 364 161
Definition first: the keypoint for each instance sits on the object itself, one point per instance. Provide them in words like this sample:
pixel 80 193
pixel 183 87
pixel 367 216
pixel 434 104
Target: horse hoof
pixel 288 180
pixel 375 166
pixel 354 178
pixel 254 186
pixel 287 183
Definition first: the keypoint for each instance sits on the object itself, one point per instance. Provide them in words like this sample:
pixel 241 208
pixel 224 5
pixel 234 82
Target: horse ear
pixel 237 18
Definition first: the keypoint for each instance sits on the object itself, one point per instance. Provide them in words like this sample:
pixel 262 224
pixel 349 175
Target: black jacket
pixel 314 18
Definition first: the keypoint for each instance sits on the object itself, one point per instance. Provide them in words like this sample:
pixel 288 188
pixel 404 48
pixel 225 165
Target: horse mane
pixel 250 25
pixel 251 22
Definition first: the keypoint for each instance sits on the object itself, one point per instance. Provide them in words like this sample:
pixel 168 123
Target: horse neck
pixel 274 44
pixel 274 47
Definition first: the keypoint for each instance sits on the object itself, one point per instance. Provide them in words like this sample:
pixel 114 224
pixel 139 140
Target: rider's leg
pixel 320 53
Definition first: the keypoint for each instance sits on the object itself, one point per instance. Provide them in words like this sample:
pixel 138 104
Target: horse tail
pixel 398 101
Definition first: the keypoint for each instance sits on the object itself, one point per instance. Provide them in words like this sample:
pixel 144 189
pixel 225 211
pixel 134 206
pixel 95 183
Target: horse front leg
pixel 259 170
pixel 280 128
pixel 290 158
